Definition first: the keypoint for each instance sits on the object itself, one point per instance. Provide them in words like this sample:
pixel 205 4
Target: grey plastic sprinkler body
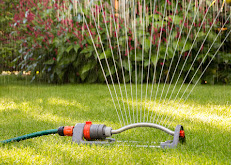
pixel 98 133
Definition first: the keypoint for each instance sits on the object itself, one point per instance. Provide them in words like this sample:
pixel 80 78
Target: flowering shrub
pixel 8 49
pixel 56 40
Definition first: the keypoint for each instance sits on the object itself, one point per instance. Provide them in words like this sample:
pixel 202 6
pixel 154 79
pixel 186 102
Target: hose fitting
pixel 90 131
pixel 65 131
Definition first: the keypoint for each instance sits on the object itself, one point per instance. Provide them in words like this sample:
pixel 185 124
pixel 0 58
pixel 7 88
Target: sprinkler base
pixel 97 133
pixel 179 136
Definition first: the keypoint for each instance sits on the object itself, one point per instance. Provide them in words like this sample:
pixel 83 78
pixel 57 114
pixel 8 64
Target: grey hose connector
pixel 108 131
pixel 168 131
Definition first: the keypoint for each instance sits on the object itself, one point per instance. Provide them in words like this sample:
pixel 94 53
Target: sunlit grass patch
pixel 26 109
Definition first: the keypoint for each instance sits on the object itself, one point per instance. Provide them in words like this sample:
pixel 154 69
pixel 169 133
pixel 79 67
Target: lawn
pixel 27 108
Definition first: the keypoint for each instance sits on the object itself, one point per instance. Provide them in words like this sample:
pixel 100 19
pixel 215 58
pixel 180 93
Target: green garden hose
pixel 32 135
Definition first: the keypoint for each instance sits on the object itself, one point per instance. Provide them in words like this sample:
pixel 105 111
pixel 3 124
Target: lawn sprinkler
pixel 88 133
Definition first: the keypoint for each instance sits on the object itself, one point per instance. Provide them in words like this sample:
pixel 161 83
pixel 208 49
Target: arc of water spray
pixel 101 65
pixel 190 49
pixel 142 72
pixel 108 67
pixel 150 50
pixel 181 52
pixel 182 26
pixel 201 65
pixel 126 36
pixel 109 40
pixel 120 56
pixel 197 53
pixel 194 58
pixel 204 70
pixel 167 53
pixel 175 51
pixel 149 58
pixel 134 12
pixel 158 49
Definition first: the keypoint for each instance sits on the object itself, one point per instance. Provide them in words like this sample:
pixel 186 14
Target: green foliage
pixel 8 49
pixel 62 50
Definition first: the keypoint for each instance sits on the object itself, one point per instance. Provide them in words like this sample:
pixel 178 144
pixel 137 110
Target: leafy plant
pixel 59 44
pixel 8 49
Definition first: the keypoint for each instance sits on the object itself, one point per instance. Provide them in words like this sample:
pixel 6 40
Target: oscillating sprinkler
pixel 88 133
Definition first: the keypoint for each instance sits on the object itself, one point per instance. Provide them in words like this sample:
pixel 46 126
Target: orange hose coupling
pixel 86 130
pixel 66 131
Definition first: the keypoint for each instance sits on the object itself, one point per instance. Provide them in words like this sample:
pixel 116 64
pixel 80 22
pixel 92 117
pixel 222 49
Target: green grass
pixel 27 108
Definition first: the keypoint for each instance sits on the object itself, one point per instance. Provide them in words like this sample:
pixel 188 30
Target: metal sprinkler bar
pixel 98 133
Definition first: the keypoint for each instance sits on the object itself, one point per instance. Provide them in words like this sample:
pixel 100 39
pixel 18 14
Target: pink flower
pixel 115 34
pixel 178 34
pixel 30 17
pixel 161 63
pixel 75 34
pixel 130 32
pixel 56 50
pixel 185 54
pixel 157 12
pixel 164 39
pixel 205 11
pixel 202 47
pixel 163 29
pixel 169 3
